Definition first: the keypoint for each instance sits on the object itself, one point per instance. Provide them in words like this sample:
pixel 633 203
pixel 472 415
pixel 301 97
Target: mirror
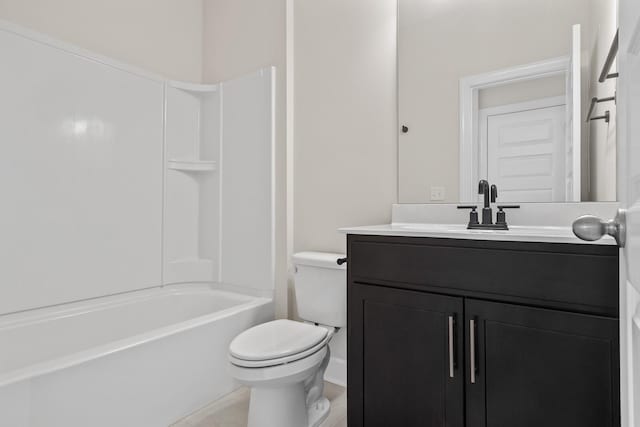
pixel 502 90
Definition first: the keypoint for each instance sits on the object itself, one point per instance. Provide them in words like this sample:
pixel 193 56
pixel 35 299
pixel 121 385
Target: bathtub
pixel 146 358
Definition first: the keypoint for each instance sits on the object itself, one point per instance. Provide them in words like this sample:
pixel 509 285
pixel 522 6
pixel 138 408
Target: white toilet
pixel 283 361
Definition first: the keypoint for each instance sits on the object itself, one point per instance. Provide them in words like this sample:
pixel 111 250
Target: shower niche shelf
pixel 193 87
pixel 192 165
pixel 192 145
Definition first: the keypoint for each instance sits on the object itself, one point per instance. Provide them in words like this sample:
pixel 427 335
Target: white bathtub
pixel 140 359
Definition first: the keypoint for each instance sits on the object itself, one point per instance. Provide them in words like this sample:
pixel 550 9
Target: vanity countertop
pixel 541 234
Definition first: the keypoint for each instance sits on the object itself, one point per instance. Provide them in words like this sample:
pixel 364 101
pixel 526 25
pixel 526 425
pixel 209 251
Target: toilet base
pixel 318 412
pixel 278 406
pixel 293 400
pixel 285 406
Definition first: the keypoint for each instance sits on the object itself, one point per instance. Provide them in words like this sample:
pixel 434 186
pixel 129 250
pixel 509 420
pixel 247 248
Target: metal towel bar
pixel 613 51
pixel 595 101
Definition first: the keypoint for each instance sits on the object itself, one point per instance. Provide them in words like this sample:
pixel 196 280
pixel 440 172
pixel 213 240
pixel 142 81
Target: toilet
pixel 283 361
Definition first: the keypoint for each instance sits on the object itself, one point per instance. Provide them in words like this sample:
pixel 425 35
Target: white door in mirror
pixel 525 154
pixel 573 145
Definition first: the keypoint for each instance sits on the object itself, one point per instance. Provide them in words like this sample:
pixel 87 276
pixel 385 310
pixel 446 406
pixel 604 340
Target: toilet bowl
pixel 283 361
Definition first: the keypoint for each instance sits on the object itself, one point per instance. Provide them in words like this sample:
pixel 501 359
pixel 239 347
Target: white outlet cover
pixel 437 193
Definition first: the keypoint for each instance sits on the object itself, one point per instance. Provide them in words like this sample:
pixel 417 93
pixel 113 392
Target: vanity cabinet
pixel 539 367
pixel 401 341
pixel 456 333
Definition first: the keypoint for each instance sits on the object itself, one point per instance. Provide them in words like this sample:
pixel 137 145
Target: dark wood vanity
pixel 452 332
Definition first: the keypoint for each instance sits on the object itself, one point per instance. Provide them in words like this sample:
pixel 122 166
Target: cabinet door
pixel 404 358
pixel 537 367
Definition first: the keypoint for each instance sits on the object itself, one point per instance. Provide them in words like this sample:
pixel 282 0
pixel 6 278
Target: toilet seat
pixel 284 362
pixel 277 342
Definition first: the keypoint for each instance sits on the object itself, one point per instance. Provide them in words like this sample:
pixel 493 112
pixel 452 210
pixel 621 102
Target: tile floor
pixel 232 410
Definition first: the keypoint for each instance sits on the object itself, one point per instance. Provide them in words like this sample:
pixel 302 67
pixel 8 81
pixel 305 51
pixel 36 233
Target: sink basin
pixel 433 227
pixel 513 230
pixel 459 231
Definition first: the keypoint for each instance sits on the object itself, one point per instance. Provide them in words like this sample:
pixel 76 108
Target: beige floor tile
pixel 338 397
pixel 232 410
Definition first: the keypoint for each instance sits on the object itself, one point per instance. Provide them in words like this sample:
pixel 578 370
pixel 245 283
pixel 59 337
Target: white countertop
pixel 544 234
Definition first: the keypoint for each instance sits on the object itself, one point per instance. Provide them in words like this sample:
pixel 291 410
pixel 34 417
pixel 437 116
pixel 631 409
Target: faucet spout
pixel 483 188
pixel 490 193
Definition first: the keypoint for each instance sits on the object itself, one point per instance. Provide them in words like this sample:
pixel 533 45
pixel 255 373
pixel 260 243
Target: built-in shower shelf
pixel 194 87
pixel 188 270
pixel 192 165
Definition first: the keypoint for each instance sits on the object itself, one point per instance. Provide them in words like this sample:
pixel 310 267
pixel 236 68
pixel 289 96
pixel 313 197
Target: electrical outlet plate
pixel 437 194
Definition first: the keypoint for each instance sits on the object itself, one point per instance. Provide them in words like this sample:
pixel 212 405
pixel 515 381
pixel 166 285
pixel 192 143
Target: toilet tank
pixel 321 288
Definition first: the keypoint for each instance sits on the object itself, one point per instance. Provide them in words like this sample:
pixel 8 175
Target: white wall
pixel 344 121
pixel 602 136
pixel 241 36
pixel 345 126
pixel 442 41
pixel 162 36
pixel 530 90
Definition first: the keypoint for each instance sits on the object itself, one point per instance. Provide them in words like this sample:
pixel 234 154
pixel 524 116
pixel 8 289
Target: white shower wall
pixel 89 191
pixel 81 173
pixel 248 231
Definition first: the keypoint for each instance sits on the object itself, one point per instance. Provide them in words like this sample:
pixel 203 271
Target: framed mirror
pixel 520 93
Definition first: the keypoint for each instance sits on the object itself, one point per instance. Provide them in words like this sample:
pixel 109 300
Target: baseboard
pixel 336 371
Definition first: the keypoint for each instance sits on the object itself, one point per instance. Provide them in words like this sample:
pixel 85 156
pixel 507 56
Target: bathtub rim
pixel 77 308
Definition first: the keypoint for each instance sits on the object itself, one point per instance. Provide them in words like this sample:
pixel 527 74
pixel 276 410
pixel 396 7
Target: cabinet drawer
pixel 580 277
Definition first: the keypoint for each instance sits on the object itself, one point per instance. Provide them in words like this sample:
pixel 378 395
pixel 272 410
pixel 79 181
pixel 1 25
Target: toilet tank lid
pixel 319 259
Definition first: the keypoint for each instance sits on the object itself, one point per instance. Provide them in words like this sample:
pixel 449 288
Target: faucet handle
pixel 494 193
pixel 473 215
pixel 501 216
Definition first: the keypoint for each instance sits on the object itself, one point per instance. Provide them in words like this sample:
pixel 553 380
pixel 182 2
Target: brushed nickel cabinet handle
pixel 472 350
pixel 451 347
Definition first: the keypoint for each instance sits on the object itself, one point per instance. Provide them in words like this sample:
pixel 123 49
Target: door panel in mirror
pixel 441 43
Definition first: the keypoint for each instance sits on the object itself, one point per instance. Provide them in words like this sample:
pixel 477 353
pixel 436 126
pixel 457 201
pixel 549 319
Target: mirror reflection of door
pixel 533 150
pixel 449 52
pixel 525 150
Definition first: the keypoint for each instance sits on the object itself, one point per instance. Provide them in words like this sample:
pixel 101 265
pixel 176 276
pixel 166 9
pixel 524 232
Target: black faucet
pixel 490 194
